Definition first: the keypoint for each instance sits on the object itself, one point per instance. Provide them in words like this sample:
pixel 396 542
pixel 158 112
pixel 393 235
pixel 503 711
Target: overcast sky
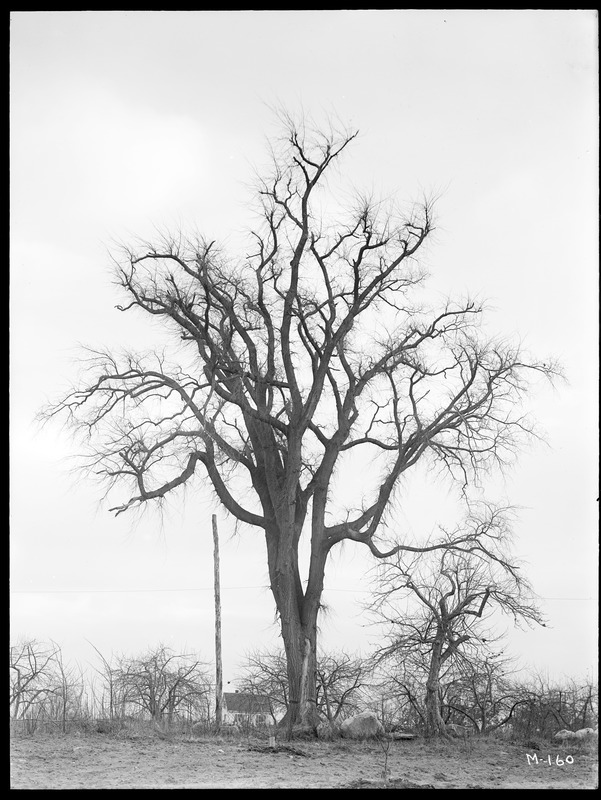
pixel 124 121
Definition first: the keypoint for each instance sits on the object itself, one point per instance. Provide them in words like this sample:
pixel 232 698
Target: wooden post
pixel 218 665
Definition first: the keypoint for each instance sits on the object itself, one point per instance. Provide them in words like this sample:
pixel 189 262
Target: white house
pixel 241 708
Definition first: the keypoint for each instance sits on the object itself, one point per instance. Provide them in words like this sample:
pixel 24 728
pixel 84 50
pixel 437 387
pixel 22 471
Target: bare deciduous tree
pixel 42 686
pixel 483 693
pixel 400 692
pixel 31 675
pixel 551 705
pixel 265 674
pixel 309 351
pixel 65 701
pixel 454 590
pixel 160 682
pixel 112 702
pixel 341 680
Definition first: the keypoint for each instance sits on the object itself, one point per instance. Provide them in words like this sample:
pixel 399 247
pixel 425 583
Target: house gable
pixel 246 703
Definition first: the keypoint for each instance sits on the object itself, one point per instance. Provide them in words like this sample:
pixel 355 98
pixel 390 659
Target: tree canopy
pixel 310 347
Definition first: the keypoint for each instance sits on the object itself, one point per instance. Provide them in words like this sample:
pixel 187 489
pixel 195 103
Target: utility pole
pixel 218 665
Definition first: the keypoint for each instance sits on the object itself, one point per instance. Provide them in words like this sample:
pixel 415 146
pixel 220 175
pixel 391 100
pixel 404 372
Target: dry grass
pixel 133 759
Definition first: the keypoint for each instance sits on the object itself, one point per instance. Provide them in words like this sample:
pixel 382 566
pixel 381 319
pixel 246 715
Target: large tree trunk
pixel 299 634
pixel 302 685
pixel 298 612
pixel 297 606
pixel 434 722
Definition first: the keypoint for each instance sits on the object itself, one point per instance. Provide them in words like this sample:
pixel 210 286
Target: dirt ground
pixel 100 761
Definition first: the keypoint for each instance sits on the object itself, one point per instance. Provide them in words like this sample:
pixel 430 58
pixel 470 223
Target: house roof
pixel 244 703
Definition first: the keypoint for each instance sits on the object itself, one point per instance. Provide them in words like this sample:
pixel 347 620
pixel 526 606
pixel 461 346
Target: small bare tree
pixel 341 683
pixel 341 679
pixel 113 695
pixel 65 701
pixel 483 693
pixel 264 674
pixel 552 705
pixel 397 694
pixel 161 682
pixel 453 590
pixel 31 674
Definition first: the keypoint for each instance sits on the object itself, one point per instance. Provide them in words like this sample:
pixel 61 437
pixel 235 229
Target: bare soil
pixel 98 761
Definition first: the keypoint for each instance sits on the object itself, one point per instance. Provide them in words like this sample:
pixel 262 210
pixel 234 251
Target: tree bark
pixel 301 659
pixel 300 640
pixel 298 611
pixel 218 663
pixel 434 722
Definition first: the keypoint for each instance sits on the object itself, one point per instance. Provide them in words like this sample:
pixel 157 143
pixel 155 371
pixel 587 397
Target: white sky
pixel 121 121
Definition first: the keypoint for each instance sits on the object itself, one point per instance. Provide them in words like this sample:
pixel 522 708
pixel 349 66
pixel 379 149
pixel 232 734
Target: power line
pixel 125 591
pixel 207 589
pixel 136 591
